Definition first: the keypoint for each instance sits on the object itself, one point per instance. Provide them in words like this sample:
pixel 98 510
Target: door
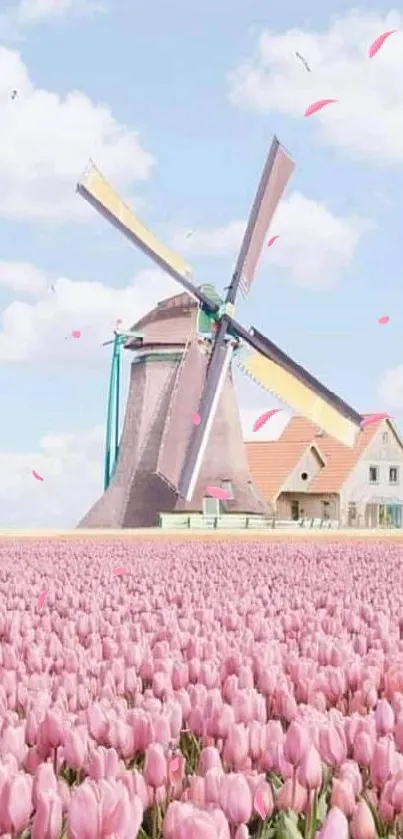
pixel 395 515
pixel 352 514
pixel 294 510
pixel 371 515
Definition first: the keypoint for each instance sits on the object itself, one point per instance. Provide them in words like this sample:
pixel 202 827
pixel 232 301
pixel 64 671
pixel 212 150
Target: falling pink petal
pixel 379 42
pixel 36 476
pixel 272 241
pixel 317 106
pixel 119 571
pixel 264 418
pixel 371 418
pixel 384 319
pixel 76 333
pixel 196 419
pixel 258 804
pixel 220 494
pixel 41 599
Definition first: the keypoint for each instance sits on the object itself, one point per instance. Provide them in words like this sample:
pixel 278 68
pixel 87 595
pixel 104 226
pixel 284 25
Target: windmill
pixel 168 465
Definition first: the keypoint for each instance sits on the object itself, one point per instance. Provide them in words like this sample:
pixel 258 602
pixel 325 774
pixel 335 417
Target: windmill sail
pixel 276 174
pixel 184 403
pixel 218 368
pixel 100 194
pixel 300 396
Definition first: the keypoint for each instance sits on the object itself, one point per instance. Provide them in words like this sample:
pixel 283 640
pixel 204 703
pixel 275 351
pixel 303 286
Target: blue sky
pixel 167 71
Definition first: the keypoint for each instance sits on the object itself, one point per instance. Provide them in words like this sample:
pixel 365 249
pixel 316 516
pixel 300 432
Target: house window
pixel 326 505
pixel 373 474
pixel 304 476
pixel 211 506
pixel 393 474
pixel 227 487
pixel 385 437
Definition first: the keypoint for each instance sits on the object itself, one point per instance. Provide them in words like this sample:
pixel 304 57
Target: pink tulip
pixel 172 818
pixel 51 730
pixel 395 793
pixel 237 746
pixel 12 741
pixel 296 743
pixel 44 781
pixel 292 797
pixel 383 761
pixel 212 780
pixel 263 801
pixel 342 796
pixel 235 798
pixel 184 821
pixel 384 718
pixel 362 823
pixel 310 770
pixel 364 745
pixel 48 818
pixel 209 759
pixel 75 748
pixel 155 766
pixel 196 792
pixel 332 745
pixel 350 771
pixel 103 764
pixel 16 803
pixel 335 825
pixel 84 819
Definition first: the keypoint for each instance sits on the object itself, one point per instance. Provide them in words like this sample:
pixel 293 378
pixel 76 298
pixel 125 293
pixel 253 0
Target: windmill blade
pixel 276 372
pixel 184 403
pixel 214 383
pixel 275 176
pixel 95 189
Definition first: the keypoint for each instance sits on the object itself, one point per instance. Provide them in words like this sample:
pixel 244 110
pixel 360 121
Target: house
pixel 307 474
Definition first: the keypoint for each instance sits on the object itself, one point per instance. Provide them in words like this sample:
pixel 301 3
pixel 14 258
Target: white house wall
pixel 310 462
pixel 357 488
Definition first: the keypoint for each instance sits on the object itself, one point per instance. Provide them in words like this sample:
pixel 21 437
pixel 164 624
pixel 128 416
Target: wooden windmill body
pixel 182 366
pixel 139 489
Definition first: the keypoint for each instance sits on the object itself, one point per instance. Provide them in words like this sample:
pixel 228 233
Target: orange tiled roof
pixel 272 461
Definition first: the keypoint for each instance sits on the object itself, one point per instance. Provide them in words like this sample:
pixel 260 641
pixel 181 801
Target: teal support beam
pixel 112 417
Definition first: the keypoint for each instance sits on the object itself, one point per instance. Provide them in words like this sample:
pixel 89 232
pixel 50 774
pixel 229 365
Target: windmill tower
pixel 183 352
pixel 148 466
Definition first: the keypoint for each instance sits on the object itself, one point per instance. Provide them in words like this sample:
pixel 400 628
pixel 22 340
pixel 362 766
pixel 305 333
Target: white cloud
pixel 368 121
pixel 37 330
pixel 218 241
pixel 71 467
pixel 22 278
pixel 46 141
pixel 390 389
pixel 315 245
pixel 23 13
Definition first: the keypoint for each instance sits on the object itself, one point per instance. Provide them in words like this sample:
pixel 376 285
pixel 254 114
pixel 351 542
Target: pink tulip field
pixel 201 690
